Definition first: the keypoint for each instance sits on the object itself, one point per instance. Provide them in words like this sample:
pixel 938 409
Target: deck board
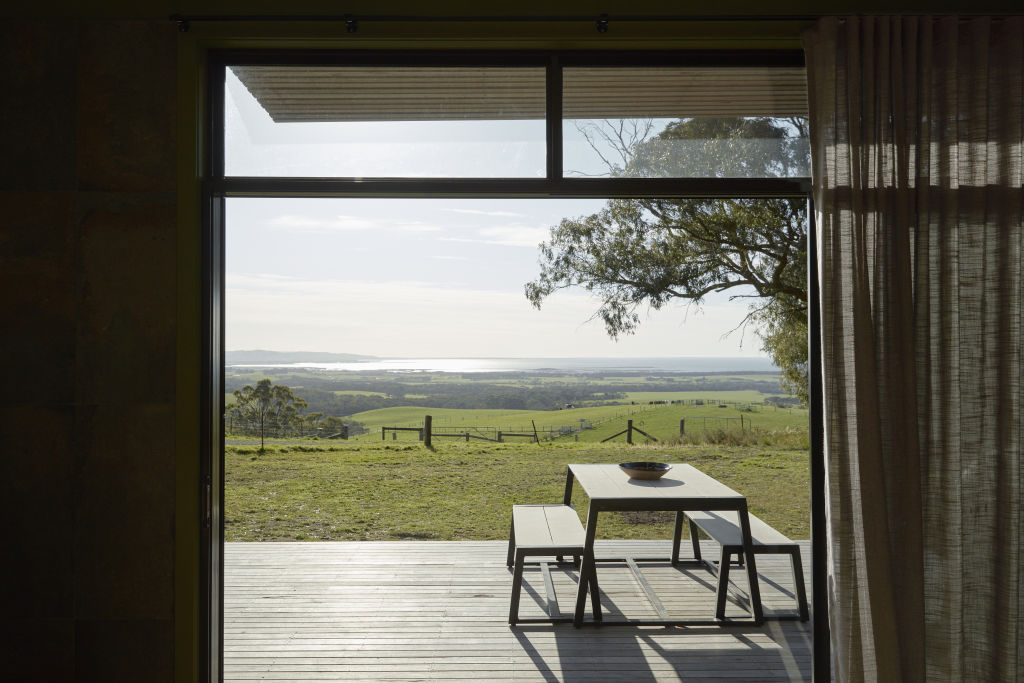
pixel 433 611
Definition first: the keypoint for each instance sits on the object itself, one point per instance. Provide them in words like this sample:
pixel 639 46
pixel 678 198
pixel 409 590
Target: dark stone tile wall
pixel 39 80
pixel 87 392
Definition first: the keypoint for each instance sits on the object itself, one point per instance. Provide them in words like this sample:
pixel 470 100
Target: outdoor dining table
pixel 683 488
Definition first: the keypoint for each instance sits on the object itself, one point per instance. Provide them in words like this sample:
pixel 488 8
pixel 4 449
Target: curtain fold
pixel 917 132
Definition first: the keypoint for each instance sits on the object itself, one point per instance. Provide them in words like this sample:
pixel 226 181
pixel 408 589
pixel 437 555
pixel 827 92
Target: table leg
pixel 695 541
pixel 722 595
pixel 677 536
pixel 748 552
pixel 588 573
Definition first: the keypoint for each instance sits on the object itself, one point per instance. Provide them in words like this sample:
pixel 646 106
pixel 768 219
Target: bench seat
pixel 546 531
pixel 724 527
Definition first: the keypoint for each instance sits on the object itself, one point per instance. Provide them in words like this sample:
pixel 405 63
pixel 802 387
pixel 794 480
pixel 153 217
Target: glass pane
pixel 397 280
pixel 671 122
pixel 364 121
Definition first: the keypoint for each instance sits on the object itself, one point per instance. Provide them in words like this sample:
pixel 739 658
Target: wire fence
pixel 448 427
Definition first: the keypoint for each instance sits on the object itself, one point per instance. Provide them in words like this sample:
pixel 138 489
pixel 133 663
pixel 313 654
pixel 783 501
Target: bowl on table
pixel 645 470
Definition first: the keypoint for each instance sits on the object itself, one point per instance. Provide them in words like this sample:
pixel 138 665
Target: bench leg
pixel 798 582
pixel 723 583
pixel 517 586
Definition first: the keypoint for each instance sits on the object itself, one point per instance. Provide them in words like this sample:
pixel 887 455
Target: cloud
pixel 413 318
pixel 506 235
pixel 515 235
pixel 417 226
pixel 479 212
pixel 341 223
pixel 311 224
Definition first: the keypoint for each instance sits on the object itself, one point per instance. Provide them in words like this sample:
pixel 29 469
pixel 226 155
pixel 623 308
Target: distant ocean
pixel 582 365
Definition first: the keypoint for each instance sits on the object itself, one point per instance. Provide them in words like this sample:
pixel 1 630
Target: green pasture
pixel 249 375
pixel 655 378
pixel 660 421
pixel 464 491
pixel 748 395
pixel 663 421
pixel 412 416
pixel 744 378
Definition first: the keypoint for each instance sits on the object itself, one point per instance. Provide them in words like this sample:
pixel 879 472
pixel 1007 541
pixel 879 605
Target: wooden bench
pixel 549 531
pixel 724 527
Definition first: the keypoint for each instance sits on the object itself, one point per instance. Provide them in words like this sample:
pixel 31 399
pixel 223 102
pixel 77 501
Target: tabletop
pixel 608 483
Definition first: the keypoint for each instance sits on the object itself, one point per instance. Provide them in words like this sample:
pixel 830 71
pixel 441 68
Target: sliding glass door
pixel 656 140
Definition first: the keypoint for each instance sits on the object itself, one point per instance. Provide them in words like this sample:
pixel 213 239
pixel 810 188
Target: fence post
pixel 499 436
pixel 383 436
pixel 629 431
pixel 682 427
pixel 536 439
pixel 426 430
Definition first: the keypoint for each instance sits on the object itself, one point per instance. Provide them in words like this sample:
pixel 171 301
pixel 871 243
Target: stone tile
pixel 126 651
pixel 127 89
pixel 40 356
pixel 124 514
pixel 36 475
pixel 38 650
pixel 38 226
pixel 38 279
pixel 127 323
pixel 37 121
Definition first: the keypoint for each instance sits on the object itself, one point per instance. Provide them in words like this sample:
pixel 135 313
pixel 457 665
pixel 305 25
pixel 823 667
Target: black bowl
pixel 645 470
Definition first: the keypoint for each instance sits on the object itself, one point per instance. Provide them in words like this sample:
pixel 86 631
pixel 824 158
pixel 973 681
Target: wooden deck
pixel 421 610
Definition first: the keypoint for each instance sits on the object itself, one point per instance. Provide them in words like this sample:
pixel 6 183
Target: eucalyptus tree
pixel 644 253
pixel 266 406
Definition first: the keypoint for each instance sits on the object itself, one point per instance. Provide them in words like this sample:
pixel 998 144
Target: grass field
pixel 748 395
pixel 660 421
pixel 465 491
pixel 412 416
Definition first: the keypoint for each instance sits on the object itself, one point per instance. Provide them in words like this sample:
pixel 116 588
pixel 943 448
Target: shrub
pixel 788 439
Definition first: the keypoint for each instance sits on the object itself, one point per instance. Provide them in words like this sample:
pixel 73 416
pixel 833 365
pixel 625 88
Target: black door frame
pixel 217 187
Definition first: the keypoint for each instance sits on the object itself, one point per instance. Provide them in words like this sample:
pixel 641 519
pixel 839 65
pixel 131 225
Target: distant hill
pixel 259 357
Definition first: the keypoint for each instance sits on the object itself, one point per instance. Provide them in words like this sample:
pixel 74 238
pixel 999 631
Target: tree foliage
pixel 267 406
pixel 639 253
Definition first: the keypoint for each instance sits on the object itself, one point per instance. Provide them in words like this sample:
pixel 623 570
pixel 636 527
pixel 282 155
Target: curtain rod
pixel 601 21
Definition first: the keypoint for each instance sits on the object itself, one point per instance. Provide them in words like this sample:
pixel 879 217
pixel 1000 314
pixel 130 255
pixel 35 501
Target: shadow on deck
pixel 414 611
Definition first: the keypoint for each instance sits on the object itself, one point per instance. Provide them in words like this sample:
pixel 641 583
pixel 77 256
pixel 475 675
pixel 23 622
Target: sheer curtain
pixel 917 128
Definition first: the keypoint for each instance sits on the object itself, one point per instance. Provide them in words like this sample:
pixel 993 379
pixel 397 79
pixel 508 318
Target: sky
pixel 419 277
